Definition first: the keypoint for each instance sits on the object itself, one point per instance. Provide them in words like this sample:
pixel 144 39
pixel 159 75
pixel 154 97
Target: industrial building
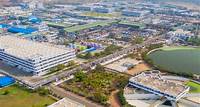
pixel 66 102
pixel 33 57
pixel 101 10
pixel 134 13
pixel 83 8
pixel 153 82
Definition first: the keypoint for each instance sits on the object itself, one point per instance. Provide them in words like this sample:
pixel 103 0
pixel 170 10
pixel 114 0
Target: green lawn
pixel 19 97
pixel 194 87
pixel 180 60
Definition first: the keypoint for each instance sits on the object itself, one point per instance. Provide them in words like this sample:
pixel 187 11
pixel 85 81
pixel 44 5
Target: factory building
pixel 154 83
pixel 83 8
pixel 134 13
pixel 33 57
pixel 101 10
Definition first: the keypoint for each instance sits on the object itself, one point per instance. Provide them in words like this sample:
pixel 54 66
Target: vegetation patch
pixel 122 99
pixel 194 87
pixel 96 85
pixel 16 96
pixel 109 50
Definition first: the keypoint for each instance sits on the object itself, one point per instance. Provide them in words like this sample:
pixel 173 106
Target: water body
pixel 177 59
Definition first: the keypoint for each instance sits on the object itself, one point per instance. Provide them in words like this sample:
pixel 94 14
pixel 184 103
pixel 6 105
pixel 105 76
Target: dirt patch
pixel 114 100
pixel 139 68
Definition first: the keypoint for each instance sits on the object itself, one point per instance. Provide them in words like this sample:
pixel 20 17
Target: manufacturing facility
pixel 66 102
pixel 154 83
pixel 33 57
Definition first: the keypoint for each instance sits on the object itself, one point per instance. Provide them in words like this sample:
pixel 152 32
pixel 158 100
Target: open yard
pixel 194 87
pixel 15 96
pixel 139 68
pixel 96 85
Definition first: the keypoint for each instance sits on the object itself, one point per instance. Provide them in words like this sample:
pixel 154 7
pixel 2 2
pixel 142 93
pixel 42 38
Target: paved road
pixel 90 65
pixel 63 93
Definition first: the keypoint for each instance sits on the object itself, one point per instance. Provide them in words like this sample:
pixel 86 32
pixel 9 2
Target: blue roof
pixel 34 19
pixel 90 50
pixel 22 30
pixel 4 26
pixel 6 80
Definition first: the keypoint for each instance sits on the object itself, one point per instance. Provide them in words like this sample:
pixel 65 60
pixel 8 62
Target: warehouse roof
pixel 156 82
pixel 66 102
pixel 29 50
pixel 22 30
pixel 90 25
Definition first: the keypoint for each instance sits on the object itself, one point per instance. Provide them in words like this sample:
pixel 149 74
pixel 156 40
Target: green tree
pixel 43 91
pixel 121 97
pixel 99 68
pixel 60 67
pixel 71 63
pixel 5 92
pixel 137 40
pixel 99 97
pixel 194 41
pixel 88 55
pixel 80 76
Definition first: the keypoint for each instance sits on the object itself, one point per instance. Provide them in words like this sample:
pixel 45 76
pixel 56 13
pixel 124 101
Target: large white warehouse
pixel 33 57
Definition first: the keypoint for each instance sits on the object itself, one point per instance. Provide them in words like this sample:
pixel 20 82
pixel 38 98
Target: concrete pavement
pixel 63 93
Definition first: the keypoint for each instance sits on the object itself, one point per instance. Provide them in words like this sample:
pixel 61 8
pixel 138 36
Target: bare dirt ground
pixel 139 68
pixel 114 100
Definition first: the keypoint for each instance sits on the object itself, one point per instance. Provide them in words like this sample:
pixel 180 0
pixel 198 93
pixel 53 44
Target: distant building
pixel 23 30
pixel 134 13
pixel 66 102
pixel 180 34
pixel 33 57
pixel 101 10
pixel 83 8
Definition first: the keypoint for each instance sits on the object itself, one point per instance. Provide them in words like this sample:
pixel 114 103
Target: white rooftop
pixel 66 102
pixel 26 49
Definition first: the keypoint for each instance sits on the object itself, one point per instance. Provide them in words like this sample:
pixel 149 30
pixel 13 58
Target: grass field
pixel 182 60
pixel 18 97
pixel 194 87
pixel 86 26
